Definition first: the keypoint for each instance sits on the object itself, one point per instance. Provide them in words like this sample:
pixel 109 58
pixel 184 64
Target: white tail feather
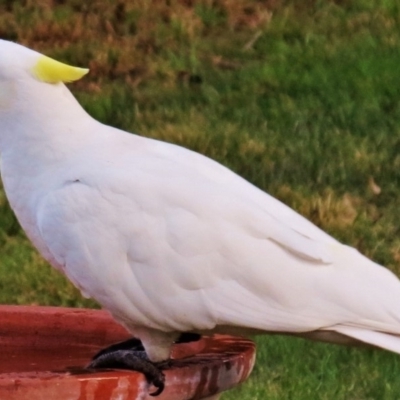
pixel 379 339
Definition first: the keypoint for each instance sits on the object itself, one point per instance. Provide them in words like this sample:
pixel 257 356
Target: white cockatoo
pixel 170 241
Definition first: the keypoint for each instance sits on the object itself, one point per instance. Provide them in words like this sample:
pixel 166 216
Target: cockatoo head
pixel 18 62
pixel 33 99
pixel 26 76
pixel 32 90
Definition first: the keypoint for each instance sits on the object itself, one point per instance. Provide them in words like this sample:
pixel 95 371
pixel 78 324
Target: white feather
pixel 168 240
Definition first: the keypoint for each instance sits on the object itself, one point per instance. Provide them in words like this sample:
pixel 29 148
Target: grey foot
pixel 136 344
pixel 135 360
pixel 130 354
pixel 130 344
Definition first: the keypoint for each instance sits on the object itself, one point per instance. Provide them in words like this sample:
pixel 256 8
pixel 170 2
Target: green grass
pixel 300 98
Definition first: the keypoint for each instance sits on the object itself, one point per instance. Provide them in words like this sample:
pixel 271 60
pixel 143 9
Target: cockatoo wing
pixel 167 239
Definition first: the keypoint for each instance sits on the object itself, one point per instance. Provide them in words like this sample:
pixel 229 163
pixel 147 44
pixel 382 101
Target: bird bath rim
pixel 44 351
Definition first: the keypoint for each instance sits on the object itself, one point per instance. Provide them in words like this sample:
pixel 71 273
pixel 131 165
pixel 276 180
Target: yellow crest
pixel 52 71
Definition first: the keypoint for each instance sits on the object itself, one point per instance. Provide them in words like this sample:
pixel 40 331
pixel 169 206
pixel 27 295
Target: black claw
pixel 133 360
pixel 160 385
pixel 130 354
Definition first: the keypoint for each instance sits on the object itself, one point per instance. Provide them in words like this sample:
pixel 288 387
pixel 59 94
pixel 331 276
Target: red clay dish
pixel 43 351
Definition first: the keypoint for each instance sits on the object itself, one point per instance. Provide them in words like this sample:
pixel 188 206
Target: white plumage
pixel 168 240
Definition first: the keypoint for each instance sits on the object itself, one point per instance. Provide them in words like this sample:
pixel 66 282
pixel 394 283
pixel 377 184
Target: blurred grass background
pixel 300 98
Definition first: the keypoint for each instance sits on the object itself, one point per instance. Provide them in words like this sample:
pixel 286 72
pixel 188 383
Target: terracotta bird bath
pixel 43 351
